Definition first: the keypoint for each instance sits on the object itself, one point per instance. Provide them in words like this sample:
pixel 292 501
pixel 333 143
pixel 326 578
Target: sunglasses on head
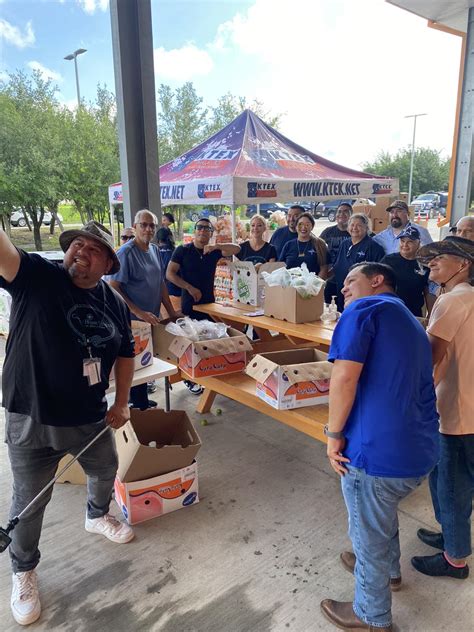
pixel 126 237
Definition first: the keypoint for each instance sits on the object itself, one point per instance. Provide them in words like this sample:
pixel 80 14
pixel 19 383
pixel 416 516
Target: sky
pixel 344 73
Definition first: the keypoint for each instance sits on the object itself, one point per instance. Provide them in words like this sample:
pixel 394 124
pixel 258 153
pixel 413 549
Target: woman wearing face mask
pixel 256 249
pixel 360 247
pixel 412 277
pixel 306 248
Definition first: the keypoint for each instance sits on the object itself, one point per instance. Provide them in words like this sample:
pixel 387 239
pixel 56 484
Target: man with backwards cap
pixel 399 220
pixel 67 329
pixel 412 277
pixel 451 334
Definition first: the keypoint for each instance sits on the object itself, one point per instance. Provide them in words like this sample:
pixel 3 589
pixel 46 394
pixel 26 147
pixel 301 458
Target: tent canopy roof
pixel 249 162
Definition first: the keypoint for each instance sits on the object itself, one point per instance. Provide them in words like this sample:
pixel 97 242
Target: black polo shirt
pixel 199 270
pixel 412 279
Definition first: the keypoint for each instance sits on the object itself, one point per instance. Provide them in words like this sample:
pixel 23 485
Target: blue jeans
pixel 452 487
pixel 32 469
pixel 372 504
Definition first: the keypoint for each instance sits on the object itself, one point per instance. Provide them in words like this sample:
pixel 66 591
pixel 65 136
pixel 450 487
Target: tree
pixel 430 170
pixel 30 141
pixel 92 157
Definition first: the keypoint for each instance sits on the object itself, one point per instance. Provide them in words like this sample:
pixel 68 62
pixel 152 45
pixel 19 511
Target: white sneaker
pixel 111 528
pixel 25 602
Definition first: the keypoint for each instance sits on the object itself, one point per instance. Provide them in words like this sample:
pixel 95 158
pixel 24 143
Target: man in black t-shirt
pixel 193 268
pixel 67 329
pixel 334 236
pixel 412 277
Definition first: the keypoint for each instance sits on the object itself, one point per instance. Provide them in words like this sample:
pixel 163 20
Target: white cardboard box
pixel 153 497
pixel 248 285
pixel 291 379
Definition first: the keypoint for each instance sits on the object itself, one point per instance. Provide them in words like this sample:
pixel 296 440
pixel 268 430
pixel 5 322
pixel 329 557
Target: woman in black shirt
pixel 256 249
pixel 412 277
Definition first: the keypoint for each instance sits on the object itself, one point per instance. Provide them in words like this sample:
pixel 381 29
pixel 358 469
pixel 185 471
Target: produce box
pixel 248 285
pixel 212 357
pixel 291 379
pixel 143 344
pixel 285 303
pixel 177 444
pixel 153 497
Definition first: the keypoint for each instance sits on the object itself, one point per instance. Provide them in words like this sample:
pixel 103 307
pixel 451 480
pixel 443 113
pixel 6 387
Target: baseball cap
pixel 97 232
pixel 451 245
pixel 410 232
pixel 400 204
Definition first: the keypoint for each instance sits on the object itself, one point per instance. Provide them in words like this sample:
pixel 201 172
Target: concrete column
pixel 465 142
pixel 132 42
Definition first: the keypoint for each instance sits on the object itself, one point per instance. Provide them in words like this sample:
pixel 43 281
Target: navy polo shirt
pixel 296 252
pixel 280 237
pixel 349 254
pixel 392 428
pixel 199 270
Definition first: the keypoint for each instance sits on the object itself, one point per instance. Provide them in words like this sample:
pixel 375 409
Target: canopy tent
pixel 249 162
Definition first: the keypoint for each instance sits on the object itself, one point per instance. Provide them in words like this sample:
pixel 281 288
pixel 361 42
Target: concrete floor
pixel 257 554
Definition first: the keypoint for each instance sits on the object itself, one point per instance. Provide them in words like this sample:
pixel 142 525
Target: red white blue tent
pixel 249 162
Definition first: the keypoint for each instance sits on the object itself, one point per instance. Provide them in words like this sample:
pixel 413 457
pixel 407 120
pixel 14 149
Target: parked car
pixel 17 218
pixel 328 209
pixel 308 206
pixel 426 205
pixel 265 209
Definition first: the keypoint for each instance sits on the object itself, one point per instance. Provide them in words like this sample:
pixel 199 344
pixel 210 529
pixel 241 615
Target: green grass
pixel 23 238
pixel 69 213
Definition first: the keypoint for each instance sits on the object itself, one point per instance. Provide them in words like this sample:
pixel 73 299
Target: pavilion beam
pixel 132 42
pixel 464 153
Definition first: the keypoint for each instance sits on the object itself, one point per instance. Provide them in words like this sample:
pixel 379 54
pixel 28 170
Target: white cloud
pixel 182 64
pixel 91 6
pixel 46 73
pixel 13 35
pixel 346 73
pixel 4 76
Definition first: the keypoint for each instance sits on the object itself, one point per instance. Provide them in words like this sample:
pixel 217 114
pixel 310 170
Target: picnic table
pixel 274 335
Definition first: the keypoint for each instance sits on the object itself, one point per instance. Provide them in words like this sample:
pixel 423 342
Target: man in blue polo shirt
pixel 399 220
pixel 382 435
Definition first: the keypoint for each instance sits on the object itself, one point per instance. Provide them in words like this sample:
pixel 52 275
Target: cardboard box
pixel 212 357
pixel 291 379
pixel 75 475
pixel 143 344
pixel 153 497
pixel 248 285
pixel 176 439
pixel 162 340
pixel 285 303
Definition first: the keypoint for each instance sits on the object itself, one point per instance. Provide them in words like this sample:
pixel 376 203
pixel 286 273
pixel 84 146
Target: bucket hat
pixel 97 232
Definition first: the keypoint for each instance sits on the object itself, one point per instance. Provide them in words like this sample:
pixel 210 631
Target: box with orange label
pixel 143 344
pixel 153 497
pixel 291 379
pixel 212 357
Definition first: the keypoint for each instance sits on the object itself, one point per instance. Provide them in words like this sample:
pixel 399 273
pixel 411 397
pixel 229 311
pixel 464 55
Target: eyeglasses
pixel 146 225
pixel 207 229
pixel 126 237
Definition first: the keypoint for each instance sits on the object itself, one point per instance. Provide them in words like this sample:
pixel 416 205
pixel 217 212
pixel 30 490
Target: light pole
pixel 414 117
pixel 70 57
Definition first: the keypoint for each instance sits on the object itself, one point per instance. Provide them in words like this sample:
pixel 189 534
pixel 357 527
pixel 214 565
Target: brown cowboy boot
pixel 348 560
pixel 341 614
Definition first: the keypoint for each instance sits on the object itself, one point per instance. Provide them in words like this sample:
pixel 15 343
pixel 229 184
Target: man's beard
pixel 396 222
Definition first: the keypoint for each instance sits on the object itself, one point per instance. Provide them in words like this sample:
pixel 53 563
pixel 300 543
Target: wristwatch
pixel 333 435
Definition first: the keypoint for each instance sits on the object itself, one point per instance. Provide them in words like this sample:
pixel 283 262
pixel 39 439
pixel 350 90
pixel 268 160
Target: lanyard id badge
pixel 91 369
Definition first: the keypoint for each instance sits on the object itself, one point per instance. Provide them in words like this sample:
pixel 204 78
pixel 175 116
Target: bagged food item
pixel 197 330
pixel 306 283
